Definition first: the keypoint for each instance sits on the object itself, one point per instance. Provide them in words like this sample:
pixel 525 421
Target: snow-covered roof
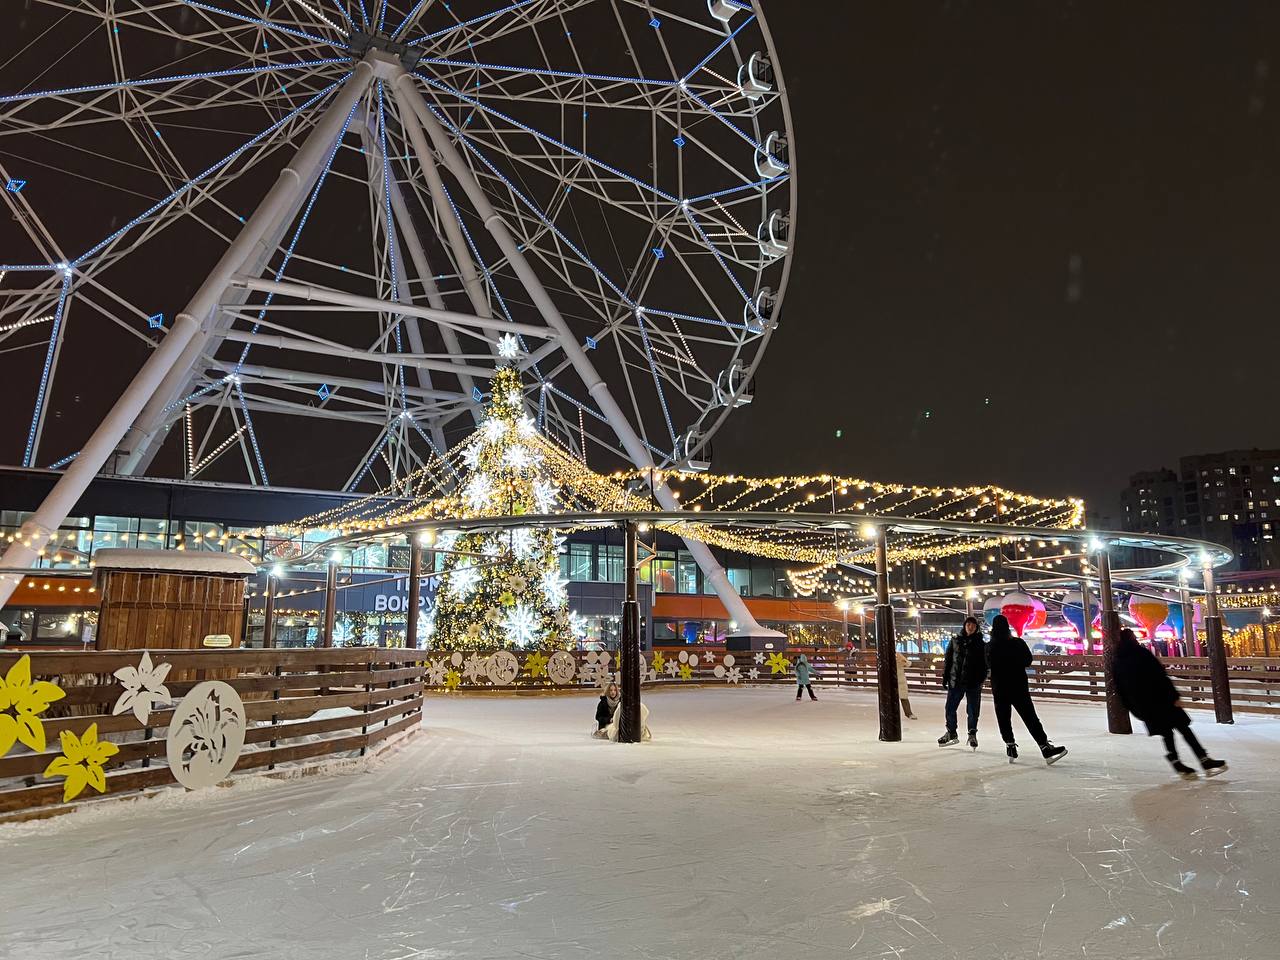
pixel 173 561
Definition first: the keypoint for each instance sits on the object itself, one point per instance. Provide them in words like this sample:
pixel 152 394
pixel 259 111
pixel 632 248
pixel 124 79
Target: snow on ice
pixel 752 826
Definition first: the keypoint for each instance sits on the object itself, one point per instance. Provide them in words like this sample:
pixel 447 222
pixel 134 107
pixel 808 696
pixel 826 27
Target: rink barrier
pixel 1255 682
pixel 301 706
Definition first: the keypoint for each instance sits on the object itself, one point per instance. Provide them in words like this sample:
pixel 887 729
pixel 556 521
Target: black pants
pixel 1020 701
pixel 1172 749
pixel 800 688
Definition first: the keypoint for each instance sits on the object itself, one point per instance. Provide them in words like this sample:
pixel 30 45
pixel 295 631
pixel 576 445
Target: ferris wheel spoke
pixel 271 25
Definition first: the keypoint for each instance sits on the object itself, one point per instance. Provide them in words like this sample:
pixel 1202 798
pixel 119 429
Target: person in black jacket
pixel 1149 694
pixel 1009 657
pixel 609 701
pixel 963 671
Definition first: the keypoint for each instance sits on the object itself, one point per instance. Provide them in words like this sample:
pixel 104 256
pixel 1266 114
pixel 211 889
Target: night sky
pixel 953 163
pixel 1036 245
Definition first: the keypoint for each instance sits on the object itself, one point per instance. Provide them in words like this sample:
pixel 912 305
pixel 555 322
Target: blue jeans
pixel 974 697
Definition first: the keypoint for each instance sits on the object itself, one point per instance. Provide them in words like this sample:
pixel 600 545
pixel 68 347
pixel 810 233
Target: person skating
pixel 964 668
pixel 1149 694
pixel 802 678
pixel 1009 657
pixel 902 686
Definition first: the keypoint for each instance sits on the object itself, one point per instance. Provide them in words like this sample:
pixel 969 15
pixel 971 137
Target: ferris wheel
pixel 367 207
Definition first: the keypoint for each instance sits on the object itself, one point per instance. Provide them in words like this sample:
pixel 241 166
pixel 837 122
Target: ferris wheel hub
pixel 361 43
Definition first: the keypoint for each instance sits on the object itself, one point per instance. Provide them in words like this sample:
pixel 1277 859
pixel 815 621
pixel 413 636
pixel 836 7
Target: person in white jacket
pixel 902 685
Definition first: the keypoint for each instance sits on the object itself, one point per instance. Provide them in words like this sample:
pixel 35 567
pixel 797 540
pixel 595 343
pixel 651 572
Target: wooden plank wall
pixel 282 690
pixel 171 611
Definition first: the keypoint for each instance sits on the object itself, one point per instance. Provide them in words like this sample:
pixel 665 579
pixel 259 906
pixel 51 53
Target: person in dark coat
pixel 1009 657
pixel 1149 694
pixel 609 701
pixel 964 669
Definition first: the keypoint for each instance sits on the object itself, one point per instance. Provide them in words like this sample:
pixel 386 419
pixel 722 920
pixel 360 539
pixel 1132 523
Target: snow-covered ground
pixel 751 827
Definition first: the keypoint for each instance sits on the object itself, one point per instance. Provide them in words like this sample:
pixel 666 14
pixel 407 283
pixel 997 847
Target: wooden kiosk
pixel 169 599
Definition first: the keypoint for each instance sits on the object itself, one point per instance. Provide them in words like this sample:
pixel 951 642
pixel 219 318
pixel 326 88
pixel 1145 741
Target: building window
pixel 579 562
pixel 611 563
pixel 686 573
pixel 740 580
pixel 664 572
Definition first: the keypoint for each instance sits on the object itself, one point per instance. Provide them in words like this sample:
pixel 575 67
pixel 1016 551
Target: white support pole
pixel 252 245
pixel 35 533
pixel 411 101
pixel 171 363
pixel 471 281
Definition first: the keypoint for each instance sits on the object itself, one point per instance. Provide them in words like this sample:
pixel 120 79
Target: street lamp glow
pixel 869 531
pixel 859 609
pixel 427 537
pixel 277 571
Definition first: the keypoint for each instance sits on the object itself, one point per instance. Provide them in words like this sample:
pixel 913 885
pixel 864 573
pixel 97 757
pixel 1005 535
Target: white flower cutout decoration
pixel 206 735
pixel 143 688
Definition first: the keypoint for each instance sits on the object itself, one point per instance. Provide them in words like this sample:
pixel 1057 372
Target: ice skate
pixel 948 738
pixel 1052 754
pixel 1182 770
pixel 973 739
pixel 1011 750
pixel 1213 767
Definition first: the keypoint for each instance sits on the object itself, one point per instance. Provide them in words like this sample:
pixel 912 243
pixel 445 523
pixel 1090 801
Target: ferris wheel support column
pixel 260 234
pixel 411 101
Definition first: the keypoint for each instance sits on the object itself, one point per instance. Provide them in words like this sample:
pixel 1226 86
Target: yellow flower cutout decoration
pixel 777 663
pixel 81 762
pixel 507 598
pixel 452 679
pixel 686 672
pixel 536 664
pixel 659 661
pixel 26 700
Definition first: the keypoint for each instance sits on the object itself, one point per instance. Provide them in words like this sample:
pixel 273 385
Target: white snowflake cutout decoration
pixel 206 735
pixel 545 496
pixel 522 542
pixel 462 580
pixel 520 458
pixel 143 688
pixel 508 347
pixel 479 491
pixel 525 427
pixel 471 456
pixel 553 587
pixel 493 429
pixel 446 541
pixel 501 668
pixel 577 624
pixel 521 625
pixel 474 667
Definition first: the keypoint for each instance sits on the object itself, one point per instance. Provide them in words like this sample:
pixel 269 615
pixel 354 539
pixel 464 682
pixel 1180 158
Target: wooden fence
pixel 1255 682
pixel 299 705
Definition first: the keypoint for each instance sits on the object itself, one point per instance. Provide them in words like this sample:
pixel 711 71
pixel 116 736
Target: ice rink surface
pixel 751 827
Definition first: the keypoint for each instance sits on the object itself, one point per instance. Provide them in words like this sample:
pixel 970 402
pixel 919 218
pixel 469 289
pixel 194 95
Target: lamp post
pixel 269 607
pixel 886 648
pixel 1117 715
pixel 330 600
pixel 629 727
pixel 1217 652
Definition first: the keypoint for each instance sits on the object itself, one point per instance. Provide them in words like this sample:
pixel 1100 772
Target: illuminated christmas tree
pixel 504 589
